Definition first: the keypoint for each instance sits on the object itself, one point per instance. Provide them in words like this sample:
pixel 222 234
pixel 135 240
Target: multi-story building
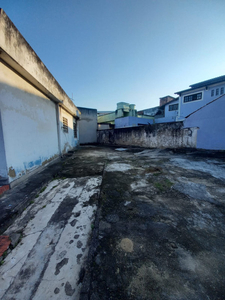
pixel 198 95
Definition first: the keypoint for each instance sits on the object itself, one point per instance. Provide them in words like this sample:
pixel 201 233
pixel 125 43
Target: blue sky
pixel 136 51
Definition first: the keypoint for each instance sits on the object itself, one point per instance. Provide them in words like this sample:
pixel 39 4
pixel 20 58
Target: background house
pixel 125 115
pixel 199 94
pixel 38 121
pixel 132 122
pixel 166 112
pixel 124 109
pixel 165 100
pixel 210 121
pixel 88 125
pixel 171 109
pixel 153 112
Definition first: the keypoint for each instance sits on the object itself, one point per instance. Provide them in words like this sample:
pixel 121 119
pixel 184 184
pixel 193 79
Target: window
pixel 222 90
pixel 65 125
pixel 212 93
pixel 74 128
pixel 193 97
pixel 217 92
pixel 173 107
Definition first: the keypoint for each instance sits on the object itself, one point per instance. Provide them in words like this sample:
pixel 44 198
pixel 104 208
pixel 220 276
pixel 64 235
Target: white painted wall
pixel 170 116
pixel 3 166
pixel 88 125
pixel 210 120
pixel 186 108
pixel 29 124
pixel 68 142
pixel 14 44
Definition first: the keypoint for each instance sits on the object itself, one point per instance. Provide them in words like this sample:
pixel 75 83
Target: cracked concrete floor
pixel 55 229
pixel 156 221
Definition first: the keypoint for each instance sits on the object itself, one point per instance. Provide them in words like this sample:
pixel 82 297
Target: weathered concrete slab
pixel 161 228
pixel 55 231
pixel 158 233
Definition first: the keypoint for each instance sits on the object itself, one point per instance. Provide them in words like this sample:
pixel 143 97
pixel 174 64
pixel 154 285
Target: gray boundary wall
pixel 165 135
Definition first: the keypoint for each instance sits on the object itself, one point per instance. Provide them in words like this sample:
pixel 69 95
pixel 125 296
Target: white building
pixel 88 125
pixel 38 121
pixel 170 112
pixel 198 95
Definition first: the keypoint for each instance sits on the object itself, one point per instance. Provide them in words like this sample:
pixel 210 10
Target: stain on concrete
pixel 79 257
pixel 77 214
pixel 68 289
pixel 60 265
pixel 79 244
pixel 66 186
pixel 194 190
pixel 158 224
pixel 126 245
pixel 66 148
pixel 46 161
pixel 56 291
pixel 61 254
pixel 73 223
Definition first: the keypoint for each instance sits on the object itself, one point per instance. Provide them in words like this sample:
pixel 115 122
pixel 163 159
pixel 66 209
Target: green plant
pixel 43 189
pixel 164 185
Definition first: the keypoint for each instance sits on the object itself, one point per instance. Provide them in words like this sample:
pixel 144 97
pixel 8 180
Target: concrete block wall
pixel 166 135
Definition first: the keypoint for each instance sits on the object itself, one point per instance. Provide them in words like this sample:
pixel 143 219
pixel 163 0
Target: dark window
pixel 65 125
pixel 212 93
pixel 193 97
pixel 74 128
pixel 173 107
pixel 217 92
pixel 222 90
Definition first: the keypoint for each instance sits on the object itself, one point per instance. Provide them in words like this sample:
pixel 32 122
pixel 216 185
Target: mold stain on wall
pixel 12 172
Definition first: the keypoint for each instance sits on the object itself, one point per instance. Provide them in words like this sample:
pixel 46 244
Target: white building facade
pixel 198 95
pixel 38 121
pixel 171 110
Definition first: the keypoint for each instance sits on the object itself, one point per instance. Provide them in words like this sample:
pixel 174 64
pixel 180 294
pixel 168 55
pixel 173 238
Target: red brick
pixel 4 243
pixel 4 188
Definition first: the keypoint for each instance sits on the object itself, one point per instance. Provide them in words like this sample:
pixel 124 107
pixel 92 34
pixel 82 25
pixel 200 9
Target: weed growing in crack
pixel 43 189
pixel 164 185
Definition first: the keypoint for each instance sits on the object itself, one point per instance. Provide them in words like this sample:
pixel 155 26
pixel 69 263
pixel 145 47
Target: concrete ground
pixel 121 223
